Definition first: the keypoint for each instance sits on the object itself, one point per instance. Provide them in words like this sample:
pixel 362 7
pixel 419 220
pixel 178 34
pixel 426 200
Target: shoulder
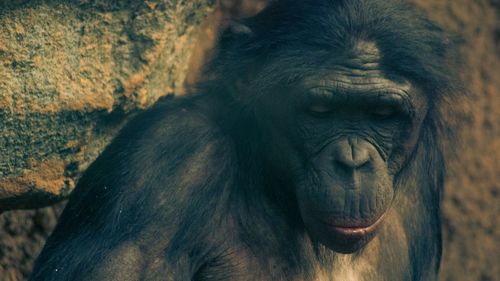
pixel 163 159
pixel 169 117
pixel 171 127
pixel 172 144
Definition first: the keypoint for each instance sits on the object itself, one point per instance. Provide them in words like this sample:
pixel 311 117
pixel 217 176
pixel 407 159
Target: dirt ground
pixel 471 205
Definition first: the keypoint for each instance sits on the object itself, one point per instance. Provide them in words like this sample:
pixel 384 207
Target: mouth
pixel 342 234
pixel 353 231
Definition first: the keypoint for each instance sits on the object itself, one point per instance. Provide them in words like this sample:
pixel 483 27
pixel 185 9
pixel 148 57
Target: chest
pixel 241 264
pixel 273 254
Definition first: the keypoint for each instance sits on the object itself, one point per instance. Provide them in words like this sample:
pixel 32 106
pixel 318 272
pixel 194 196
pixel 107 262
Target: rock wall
pixel 71 72
pixel 22 233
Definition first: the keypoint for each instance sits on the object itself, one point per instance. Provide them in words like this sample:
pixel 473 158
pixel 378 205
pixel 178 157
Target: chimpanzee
pixel 312 151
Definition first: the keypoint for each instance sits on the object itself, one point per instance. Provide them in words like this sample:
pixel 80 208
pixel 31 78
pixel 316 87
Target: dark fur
pixel 170 180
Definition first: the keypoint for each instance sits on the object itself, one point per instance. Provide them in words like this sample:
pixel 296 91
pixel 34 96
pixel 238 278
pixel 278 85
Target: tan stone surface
pixel 70 73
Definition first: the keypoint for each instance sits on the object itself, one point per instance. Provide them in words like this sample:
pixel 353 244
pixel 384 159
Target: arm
pixel 142 208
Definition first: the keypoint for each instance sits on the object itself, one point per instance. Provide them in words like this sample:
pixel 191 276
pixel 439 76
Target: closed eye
pixel 385 111
pixel 320 108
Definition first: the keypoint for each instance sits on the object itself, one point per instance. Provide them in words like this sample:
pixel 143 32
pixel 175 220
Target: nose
pixel 352 153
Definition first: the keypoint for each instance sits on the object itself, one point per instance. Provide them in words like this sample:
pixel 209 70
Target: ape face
pixel 354 129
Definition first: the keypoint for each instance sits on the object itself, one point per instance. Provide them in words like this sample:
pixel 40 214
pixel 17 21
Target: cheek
pixel 412 139
pixel 404 145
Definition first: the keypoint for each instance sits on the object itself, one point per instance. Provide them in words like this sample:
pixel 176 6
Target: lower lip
pixel 355 232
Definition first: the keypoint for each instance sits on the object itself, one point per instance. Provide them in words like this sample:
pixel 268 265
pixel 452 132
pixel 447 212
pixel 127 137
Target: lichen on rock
pixel 71 74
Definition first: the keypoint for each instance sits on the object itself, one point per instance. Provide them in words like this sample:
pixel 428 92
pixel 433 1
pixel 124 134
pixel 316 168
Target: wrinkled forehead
pixel 359 69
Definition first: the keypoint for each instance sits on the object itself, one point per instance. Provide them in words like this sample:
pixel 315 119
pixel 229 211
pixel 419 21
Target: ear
pixel 235 32
pixel 239 29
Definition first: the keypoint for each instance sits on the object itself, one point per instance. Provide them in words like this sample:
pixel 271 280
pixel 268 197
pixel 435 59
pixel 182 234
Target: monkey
pixel 312 151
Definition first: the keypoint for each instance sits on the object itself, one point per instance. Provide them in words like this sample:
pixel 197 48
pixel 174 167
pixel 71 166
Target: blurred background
pixel 73 72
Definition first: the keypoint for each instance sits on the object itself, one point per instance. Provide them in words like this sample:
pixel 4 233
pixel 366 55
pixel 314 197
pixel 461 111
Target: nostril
pixel 352 158
pixel 352 154
pixel 352 164
pixel 342 165
pixel 361 158
pixel 363 164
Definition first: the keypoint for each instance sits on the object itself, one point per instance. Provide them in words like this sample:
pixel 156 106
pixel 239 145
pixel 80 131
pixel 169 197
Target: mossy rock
pixel 71 74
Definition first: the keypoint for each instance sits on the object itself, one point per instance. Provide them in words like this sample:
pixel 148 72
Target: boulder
pixel 71 73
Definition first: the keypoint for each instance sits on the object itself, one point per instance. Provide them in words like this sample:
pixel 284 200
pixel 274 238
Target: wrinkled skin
pixel 354 129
